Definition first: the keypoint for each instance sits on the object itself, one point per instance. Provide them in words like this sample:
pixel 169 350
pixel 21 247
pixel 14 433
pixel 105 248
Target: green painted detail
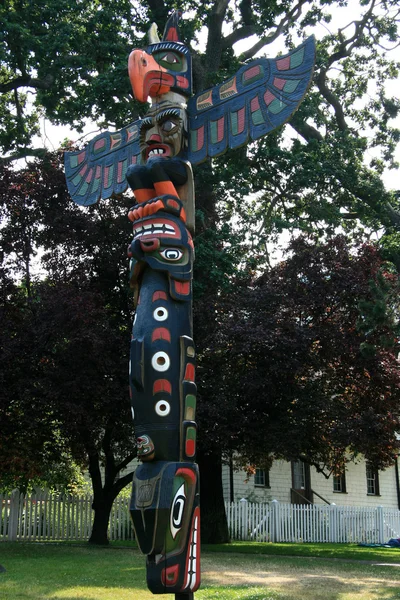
pixel 77 179
pixel 214 132
pixel 276 106
pixel 124 169
pixel 83 189
pixel 193 140
pixel 257 117
pixel 96 184
pixel 234 123
pixel 297 58
pixel 290 86
pixel 191 433
pixel 73 161
pixel 110 176
pixel 190 407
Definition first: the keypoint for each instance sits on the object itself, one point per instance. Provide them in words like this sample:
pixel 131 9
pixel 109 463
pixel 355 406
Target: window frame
pixel 265 478
pixel 370 470
pixel 339 478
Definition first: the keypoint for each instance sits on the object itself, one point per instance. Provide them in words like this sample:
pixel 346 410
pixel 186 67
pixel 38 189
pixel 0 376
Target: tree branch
pixel 27 81
pixel 288 19
pixel 23 153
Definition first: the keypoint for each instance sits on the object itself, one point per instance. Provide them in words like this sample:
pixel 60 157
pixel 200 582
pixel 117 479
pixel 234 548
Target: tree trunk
pixel 214 526
pixel 100 523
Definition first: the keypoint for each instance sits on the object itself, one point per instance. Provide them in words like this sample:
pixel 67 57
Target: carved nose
pixel 154 138
pixel 150 245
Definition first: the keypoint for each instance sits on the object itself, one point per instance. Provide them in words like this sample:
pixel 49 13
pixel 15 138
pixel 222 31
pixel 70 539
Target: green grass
pixel 72 572
pixel 339 551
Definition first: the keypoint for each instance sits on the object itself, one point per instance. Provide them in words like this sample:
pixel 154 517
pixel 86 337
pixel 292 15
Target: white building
pixel 299 483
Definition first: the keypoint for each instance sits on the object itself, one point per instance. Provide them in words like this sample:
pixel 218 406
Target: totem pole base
pixel 185 596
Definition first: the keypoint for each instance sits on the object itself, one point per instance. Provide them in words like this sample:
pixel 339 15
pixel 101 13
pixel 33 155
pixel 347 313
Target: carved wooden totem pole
pixel 154 156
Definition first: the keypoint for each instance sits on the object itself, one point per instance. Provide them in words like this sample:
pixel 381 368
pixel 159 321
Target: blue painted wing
pixel 259 98
pixel 98 171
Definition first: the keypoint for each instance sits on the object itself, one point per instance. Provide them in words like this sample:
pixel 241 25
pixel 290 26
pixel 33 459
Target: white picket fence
pixel 42 517
pixel 278 522
pixel 54 517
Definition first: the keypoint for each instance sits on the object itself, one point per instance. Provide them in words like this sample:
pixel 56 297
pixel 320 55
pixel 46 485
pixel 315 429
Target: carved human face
pixel 162 132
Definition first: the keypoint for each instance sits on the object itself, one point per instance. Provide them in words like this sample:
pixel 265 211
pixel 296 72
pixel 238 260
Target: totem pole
pixel 154 156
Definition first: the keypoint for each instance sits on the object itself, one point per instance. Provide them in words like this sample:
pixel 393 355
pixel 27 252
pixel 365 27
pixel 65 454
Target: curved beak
pixel 147 77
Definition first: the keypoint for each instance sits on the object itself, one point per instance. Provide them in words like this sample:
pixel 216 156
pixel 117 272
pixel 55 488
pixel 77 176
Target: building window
pixel 261 478
pixel 372 481
pixel 339 483
pixel 299 475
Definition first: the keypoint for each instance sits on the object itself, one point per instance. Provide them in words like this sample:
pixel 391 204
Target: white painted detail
pixel 163 408
pixel 160 314
pixel 175 523
pixel 133 413
pixel 160 361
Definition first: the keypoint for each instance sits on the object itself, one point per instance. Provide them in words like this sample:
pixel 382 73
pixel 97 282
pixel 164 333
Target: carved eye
pixel 173 61
pixel 171 254
pixel 168 126
pixel 170 58
pixel 177 509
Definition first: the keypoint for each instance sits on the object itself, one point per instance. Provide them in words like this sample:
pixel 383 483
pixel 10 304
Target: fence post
pixel 244 519
pixel 14 516
pixel 333 511
pixel 380 525
pixel 275 521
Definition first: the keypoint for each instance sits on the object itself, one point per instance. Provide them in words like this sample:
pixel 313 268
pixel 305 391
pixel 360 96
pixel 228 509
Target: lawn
pixel 61 572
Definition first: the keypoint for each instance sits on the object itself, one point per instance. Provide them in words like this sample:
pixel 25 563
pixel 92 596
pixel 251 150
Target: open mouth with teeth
pixel 158 150
pixel 156 228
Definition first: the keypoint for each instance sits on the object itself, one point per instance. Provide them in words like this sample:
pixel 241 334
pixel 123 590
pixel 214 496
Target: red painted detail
pixel 189 372
pixel 268 97
pixel 182 215
pixel 155 137
pixel 283 64
pixel 182 82
pixel 134 159
pixel 172 35
pixel 150 244
pixel 98 172
pixel 161 333
pixel 279 83
pixel 169 576
pixel 105 177
pixel 162 385
pixel 251 72
pixel 190 448
pixel 138 301
pixel 115 141
pixel 119 174
pixel 220 129
pixel 173 203
pixel 159 295
pixel 193 582
pixel 99 144
pixel 200 138
pixel 83 170
pixel 187 474
pixel 241 120
pixel 81 157
pixel 182 287
pixel 254 104
pixel 89 176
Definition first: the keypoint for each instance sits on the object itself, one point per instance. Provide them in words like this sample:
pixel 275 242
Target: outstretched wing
pixel 98 171
pixel 260 97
